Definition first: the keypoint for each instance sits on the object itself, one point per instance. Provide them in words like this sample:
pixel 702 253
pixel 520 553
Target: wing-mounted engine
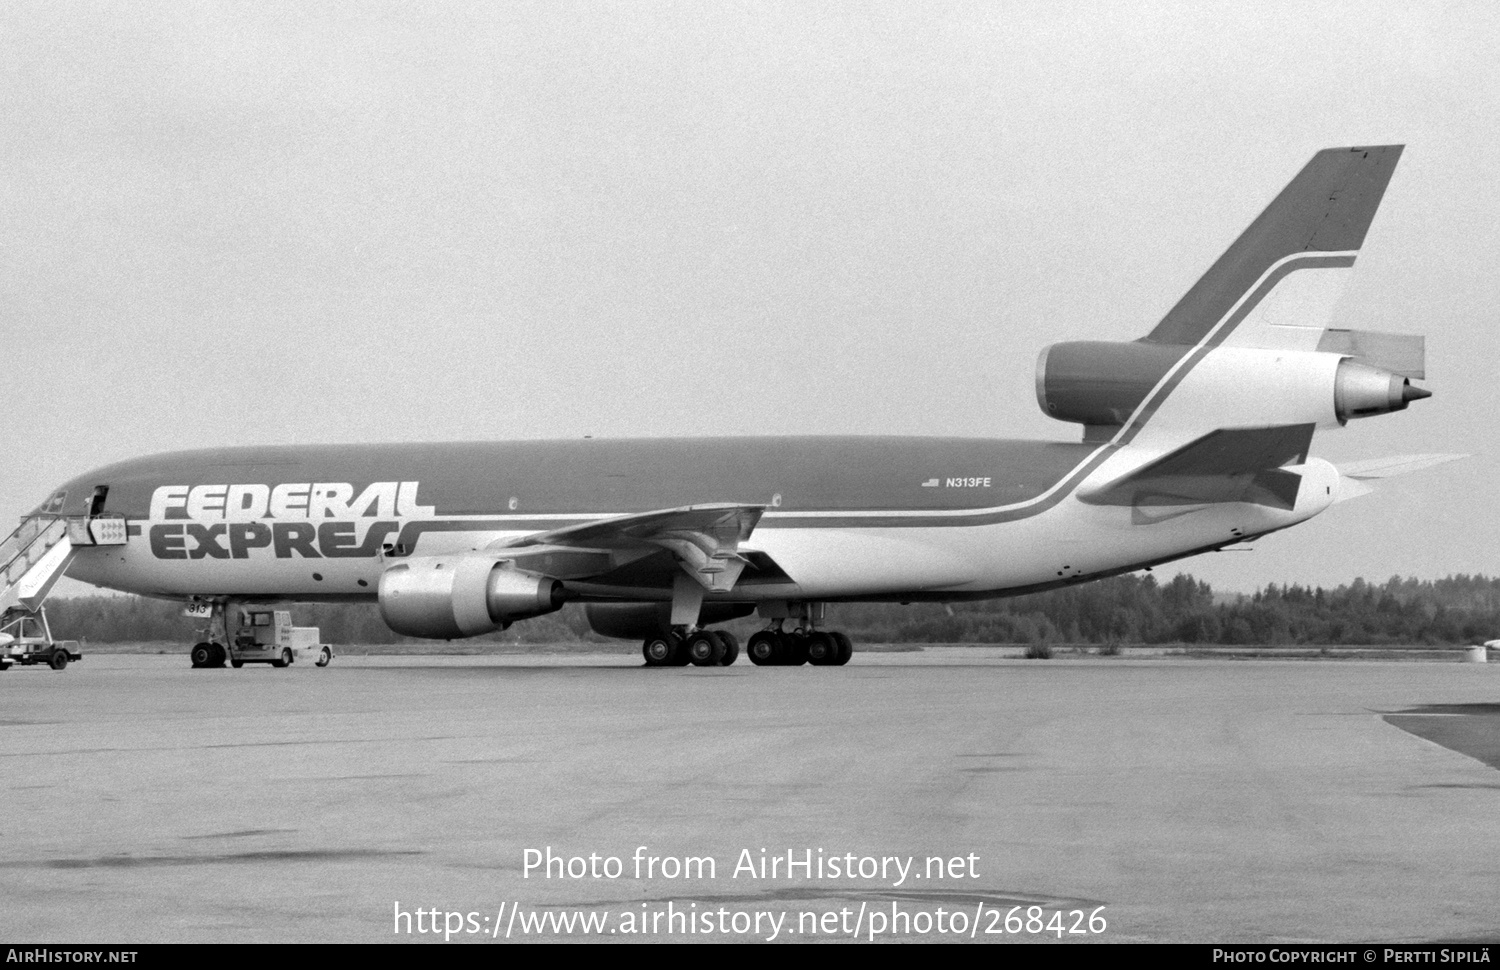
pixel 464 595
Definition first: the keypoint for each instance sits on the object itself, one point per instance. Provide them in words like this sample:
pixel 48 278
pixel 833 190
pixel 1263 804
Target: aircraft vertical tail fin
pixel 1249 345
pixel 1277 285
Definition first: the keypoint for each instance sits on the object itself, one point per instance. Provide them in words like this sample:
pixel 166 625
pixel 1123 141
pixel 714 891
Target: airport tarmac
pixel 1169 799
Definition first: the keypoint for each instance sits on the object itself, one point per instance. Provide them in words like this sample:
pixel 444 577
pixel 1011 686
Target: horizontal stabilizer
pixel 1393 466
pixel 1399 353
pixel 1227 465
pixel 1354 474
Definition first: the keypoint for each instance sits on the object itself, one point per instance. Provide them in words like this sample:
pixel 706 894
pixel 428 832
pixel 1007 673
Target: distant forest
pixel 1133 609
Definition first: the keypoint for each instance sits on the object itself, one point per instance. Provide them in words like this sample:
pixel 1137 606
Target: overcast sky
pixel 264 223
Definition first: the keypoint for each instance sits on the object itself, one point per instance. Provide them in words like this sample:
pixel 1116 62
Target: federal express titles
pixel 312 520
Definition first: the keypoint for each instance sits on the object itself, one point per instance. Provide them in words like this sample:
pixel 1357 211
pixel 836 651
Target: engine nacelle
pixel 447 597
pixel 1362 391
pixel 1100 384
pixel 1095 382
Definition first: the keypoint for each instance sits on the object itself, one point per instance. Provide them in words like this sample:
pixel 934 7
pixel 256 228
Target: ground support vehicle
pixel 26 639
pixel 261 636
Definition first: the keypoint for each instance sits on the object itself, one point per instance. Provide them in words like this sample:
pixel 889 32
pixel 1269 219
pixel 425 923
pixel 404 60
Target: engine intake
pixel 1095 382
pixel 448 597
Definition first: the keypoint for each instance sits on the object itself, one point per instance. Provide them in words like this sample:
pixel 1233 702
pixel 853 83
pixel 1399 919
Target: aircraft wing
pixel 1227 465
pixel 1354 474
pixel 705 540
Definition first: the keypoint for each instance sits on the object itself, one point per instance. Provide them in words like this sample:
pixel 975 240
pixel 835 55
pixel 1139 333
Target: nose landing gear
pixel 208 654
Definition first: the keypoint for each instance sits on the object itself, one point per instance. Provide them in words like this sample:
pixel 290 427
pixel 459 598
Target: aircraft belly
pixel 1072 541
pixel 858 562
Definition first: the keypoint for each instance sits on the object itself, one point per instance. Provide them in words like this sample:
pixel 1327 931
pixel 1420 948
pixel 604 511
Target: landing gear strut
pixel 211 652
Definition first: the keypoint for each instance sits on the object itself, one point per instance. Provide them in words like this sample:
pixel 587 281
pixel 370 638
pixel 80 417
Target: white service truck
pixel 26 639
pixel 267 636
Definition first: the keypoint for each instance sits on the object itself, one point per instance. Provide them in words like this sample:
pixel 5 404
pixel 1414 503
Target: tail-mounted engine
pixel 1101 385
pixel 447 597
pixel 1362 391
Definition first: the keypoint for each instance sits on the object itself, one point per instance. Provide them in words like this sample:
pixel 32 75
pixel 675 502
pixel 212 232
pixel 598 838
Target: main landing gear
pixel 704 648
pixel 775 646
pixel 778 648
pixel 768 648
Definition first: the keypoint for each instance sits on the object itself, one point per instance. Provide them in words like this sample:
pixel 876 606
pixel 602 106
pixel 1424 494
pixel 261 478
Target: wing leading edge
pixel 705 540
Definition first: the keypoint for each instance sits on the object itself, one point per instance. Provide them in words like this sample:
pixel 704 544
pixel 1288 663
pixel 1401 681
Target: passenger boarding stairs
pixel 35 556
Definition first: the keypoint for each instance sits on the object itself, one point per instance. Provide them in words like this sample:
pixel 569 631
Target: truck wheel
pixel 285 661
pixel 236 663
pixel 59 659
pixel 325 656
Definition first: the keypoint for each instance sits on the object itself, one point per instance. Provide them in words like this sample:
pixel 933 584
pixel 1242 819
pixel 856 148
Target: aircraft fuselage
pixel 845 517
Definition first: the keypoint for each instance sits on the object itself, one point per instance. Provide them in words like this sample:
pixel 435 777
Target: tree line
pixel 1133 609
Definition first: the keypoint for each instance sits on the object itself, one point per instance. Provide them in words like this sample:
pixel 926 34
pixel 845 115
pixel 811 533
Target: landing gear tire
pixel 325 657
pixel 705 649
pixel 846 648
pixel 794 649
pixel 58 660
pixel 659 651
pixel 220 655
pixel 202 654
pixel 763 649
pixel 731 647
pixel 822 650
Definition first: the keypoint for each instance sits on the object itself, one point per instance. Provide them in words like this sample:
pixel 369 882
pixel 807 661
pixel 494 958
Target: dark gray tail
pixel 1321 218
